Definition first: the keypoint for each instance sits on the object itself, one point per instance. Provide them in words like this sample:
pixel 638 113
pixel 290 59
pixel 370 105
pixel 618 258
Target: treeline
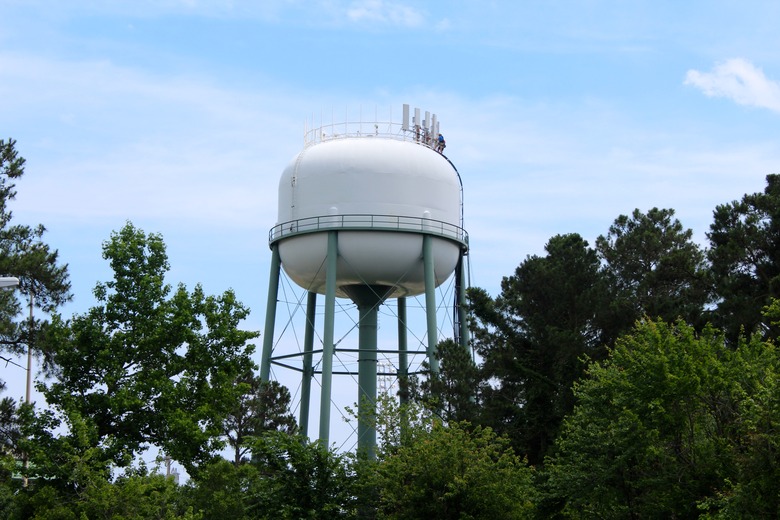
pixel 637 378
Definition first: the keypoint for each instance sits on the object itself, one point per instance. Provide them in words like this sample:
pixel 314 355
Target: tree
pixel 298 479
pixel 453 472
pixel 262 406
pixel 223 490
pixel 671 424
pixel 745 260
pixel 149 365
pixel 135 496
pixel 287 478
pixel 9 438
pixel 654 269
pixel 532 339
pixel 24 255
pixel 453 392
pixel 753 491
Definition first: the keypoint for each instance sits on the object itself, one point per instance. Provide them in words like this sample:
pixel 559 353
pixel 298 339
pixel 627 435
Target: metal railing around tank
pixel 369 223
pixel 384 130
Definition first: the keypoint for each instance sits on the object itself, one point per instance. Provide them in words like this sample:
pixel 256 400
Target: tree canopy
pixel 43 281
pixel 150 364
pixel 599 389
pixel 653 268
pixel 456 471
pixel 672 424
pixel 261 406
pixel 532 339
pixel 744 260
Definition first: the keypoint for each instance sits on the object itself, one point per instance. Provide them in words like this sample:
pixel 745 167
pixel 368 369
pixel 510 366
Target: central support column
pixel 368 298
pixel 403 359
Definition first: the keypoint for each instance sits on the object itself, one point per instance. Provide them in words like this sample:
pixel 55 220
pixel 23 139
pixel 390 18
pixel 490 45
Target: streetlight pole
pixel 29 350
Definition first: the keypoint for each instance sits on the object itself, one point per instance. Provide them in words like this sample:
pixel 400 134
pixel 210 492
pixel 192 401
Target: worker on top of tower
pixel 441 144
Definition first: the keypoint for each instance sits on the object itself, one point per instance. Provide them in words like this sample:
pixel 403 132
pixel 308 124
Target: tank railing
pixel 359 222
pixel 387 130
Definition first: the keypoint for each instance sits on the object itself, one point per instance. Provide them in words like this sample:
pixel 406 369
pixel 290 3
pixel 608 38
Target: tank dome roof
pixel 366 175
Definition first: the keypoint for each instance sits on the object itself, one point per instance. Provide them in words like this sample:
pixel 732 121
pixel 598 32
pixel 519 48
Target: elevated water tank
pixel 367 216
pixel 382 195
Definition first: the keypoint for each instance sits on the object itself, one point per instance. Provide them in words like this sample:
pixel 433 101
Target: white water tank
pixel 382 195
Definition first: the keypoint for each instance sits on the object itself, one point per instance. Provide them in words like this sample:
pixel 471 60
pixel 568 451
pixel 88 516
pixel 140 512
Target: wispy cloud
pixel 105 141
pixel 740 81
pixel 389 13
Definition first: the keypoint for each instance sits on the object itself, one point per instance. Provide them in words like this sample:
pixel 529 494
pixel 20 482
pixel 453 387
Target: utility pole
pixel 25 481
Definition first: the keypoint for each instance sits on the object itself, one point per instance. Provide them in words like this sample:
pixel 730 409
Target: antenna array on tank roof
pixel 422 130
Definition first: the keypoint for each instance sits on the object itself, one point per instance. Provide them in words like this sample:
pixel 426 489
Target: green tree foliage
pixel 42 282
pixel 150 365
pixel 298 479
pixel 532 339
pixel 745 260
pixel 261 406
pixel 671 425
pixel 222 490
pixel 23 254
pixel 70 478
pixel 287 478
pixel 9 426
pixel 10 433
pixel 137 496
pixel 65 462
pixel 653 269
pixel 454 472
pixel 453 392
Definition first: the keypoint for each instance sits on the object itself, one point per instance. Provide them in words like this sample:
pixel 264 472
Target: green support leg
pixel 465 339
pixel 308 373
pixel 430 302
pixel 270 314
pixel 327 339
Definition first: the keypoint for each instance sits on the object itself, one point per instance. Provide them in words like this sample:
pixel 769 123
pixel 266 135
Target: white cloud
pixel 739 80
pixel 391 13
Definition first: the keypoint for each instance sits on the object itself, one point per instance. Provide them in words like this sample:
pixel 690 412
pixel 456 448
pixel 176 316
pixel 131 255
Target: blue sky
pixel 180 116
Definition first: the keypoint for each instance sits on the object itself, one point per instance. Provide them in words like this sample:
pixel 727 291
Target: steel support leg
pixel 270 314
pixel 327 337
pixel 308 373
pixel 430 302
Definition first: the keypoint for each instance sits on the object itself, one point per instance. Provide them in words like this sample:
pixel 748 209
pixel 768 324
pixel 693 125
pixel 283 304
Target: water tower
pixel 369 212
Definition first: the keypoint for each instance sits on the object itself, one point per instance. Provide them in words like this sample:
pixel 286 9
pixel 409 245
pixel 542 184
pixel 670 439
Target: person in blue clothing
pixel 440 144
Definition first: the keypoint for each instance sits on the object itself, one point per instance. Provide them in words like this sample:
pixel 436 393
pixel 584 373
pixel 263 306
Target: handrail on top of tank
pixel 367 222
pixel 386 130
